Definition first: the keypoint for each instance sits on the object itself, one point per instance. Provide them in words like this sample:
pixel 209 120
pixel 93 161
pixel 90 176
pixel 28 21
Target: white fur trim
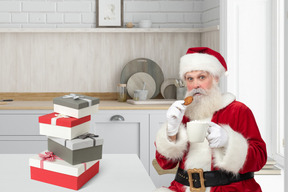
pixel 163 189
pixel 171 150
pixel 199 156
pixel 227 99
pixel 231 158
pixel 200 61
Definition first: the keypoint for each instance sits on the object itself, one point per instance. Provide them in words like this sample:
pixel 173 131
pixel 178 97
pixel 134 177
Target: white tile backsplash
pixel 19 17
pixel 37 18
pixel 74 6
pixel 8 6
pixel 5 18
pixel 64 13
pixel 38 6
pixel 72 18
pixel 55 17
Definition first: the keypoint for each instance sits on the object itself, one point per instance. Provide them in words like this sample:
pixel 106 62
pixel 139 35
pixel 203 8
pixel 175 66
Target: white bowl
pixel 145 23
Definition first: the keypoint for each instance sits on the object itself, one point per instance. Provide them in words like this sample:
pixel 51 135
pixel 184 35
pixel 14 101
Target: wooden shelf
pixel 108 30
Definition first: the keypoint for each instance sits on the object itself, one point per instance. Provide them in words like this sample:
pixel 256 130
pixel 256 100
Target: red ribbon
pixel 48 156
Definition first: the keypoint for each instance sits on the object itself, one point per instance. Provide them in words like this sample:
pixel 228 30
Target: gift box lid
pixel 62 120
pixel 80 142
pixel 76 101
pixel 56 164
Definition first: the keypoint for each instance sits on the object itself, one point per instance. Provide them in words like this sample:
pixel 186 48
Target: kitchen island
pixel 121 172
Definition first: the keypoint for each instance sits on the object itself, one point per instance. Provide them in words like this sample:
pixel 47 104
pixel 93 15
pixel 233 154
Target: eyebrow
pixel 201 73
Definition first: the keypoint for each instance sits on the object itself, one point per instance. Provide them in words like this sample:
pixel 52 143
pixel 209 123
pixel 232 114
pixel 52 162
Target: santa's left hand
pixel 217 136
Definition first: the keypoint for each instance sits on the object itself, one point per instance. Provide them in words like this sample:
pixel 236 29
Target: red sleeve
pixel 164 162
pixel 241 119
pixel 257 154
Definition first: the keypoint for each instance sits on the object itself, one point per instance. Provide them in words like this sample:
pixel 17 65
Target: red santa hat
pixel 204 59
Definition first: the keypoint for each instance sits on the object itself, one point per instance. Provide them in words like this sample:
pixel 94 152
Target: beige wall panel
pixel 211 39
pixel 167 48
pixel 86 62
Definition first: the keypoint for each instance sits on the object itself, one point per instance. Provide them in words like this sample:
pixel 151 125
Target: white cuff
pixel 233 156
pixel 171 150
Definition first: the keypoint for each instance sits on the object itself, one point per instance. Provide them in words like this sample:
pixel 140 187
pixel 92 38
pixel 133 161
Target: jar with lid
pixel 122 92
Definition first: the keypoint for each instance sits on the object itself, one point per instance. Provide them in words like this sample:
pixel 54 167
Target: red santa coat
pixel 245 151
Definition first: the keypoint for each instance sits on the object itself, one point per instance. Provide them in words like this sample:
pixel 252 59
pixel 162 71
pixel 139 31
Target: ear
pixel 216 79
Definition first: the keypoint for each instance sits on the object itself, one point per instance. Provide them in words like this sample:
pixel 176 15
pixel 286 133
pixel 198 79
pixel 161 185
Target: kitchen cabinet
pixel 124 132
pixel 19 131
pixel 157 119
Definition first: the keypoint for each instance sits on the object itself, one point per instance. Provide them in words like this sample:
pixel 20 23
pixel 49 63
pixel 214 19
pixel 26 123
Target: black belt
pixel 197 179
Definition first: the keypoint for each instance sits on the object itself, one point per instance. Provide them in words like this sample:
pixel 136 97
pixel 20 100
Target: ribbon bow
pixel 86 135
pixel 49 156
pixel 89 135
pixel 57 116
pixel 73 96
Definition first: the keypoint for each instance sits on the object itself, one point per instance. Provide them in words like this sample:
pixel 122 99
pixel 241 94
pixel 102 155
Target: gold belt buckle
pixel 200 172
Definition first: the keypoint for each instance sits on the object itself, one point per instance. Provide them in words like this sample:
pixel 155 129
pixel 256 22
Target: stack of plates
pixel 140 71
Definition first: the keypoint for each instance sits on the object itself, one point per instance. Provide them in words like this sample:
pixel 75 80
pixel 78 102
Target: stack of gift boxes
pixel 73 153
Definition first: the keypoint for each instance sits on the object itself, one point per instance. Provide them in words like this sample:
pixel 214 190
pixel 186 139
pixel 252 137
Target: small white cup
pixel 197 131
pixel 145 23
pixel 140 95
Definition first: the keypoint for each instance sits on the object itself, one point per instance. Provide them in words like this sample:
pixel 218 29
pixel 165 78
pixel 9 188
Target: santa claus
pixel 233 148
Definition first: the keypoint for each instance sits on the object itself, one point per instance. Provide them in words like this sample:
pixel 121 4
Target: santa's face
pixel 206 95
pixel 199 80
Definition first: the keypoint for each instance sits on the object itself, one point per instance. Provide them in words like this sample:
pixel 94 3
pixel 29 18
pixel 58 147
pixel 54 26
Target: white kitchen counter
pixel 121 172
pixel 103 105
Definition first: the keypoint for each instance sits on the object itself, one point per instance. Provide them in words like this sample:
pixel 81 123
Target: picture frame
pixel 109 13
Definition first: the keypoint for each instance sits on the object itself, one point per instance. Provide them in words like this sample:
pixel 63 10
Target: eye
pixel 202 77
pixel 189 78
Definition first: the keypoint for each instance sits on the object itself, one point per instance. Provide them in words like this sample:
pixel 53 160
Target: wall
pixel 86 61
pixel 71 13
pixel 210 13
pixel 248 58
pixel 92 62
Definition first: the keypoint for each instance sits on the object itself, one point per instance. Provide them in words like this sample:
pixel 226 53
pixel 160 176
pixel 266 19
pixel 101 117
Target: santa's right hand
pixel 175 115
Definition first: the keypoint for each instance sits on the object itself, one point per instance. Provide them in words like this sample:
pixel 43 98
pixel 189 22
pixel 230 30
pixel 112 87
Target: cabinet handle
pixel 117 118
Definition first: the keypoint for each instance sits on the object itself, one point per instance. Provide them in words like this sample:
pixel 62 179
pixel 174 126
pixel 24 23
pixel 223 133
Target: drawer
pixel 19 123
pixel 22 147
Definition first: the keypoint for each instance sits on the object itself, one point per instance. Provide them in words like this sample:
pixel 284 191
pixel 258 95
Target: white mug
pixel 145 23
pixel 140 95
pixel 197 131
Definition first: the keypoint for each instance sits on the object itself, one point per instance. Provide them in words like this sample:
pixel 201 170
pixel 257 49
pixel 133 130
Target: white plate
pixel 137 81
pixel 143 65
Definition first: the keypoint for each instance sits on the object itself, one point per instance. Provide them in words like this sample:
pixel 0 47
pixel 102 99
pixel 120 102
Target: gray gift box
pixel 76 101
pixel 82 149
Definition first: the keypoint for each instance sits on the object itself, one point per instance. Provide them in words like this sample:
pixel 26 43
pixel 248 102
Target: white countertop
pixel 117 172
pixel 103 105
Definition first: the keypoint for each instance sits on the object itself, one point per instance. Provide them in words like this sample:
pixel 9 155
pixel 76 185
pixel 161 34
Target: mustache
pixel 195 91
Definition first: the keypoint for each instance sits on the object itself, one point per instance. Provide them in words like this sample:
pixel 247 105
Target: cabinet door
pixel 19 131
pixel 156 122
pixel 124 132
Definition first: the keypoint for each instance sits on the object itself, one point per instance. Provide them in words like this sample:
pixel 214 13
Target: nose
pixel 196 84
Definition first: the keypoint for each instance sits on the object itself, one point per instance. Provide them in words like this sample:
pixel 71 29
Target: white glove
pixel 217 136
pixel 175 115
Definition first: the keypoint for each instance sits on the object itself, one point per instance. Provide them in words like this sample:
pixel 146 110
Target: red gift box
pixel 62 126
pixel 46 171
pixel 62 120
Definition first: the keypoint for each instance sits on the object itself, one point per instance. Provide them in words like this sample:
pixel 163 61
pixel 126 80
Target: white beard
pixel 204 106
